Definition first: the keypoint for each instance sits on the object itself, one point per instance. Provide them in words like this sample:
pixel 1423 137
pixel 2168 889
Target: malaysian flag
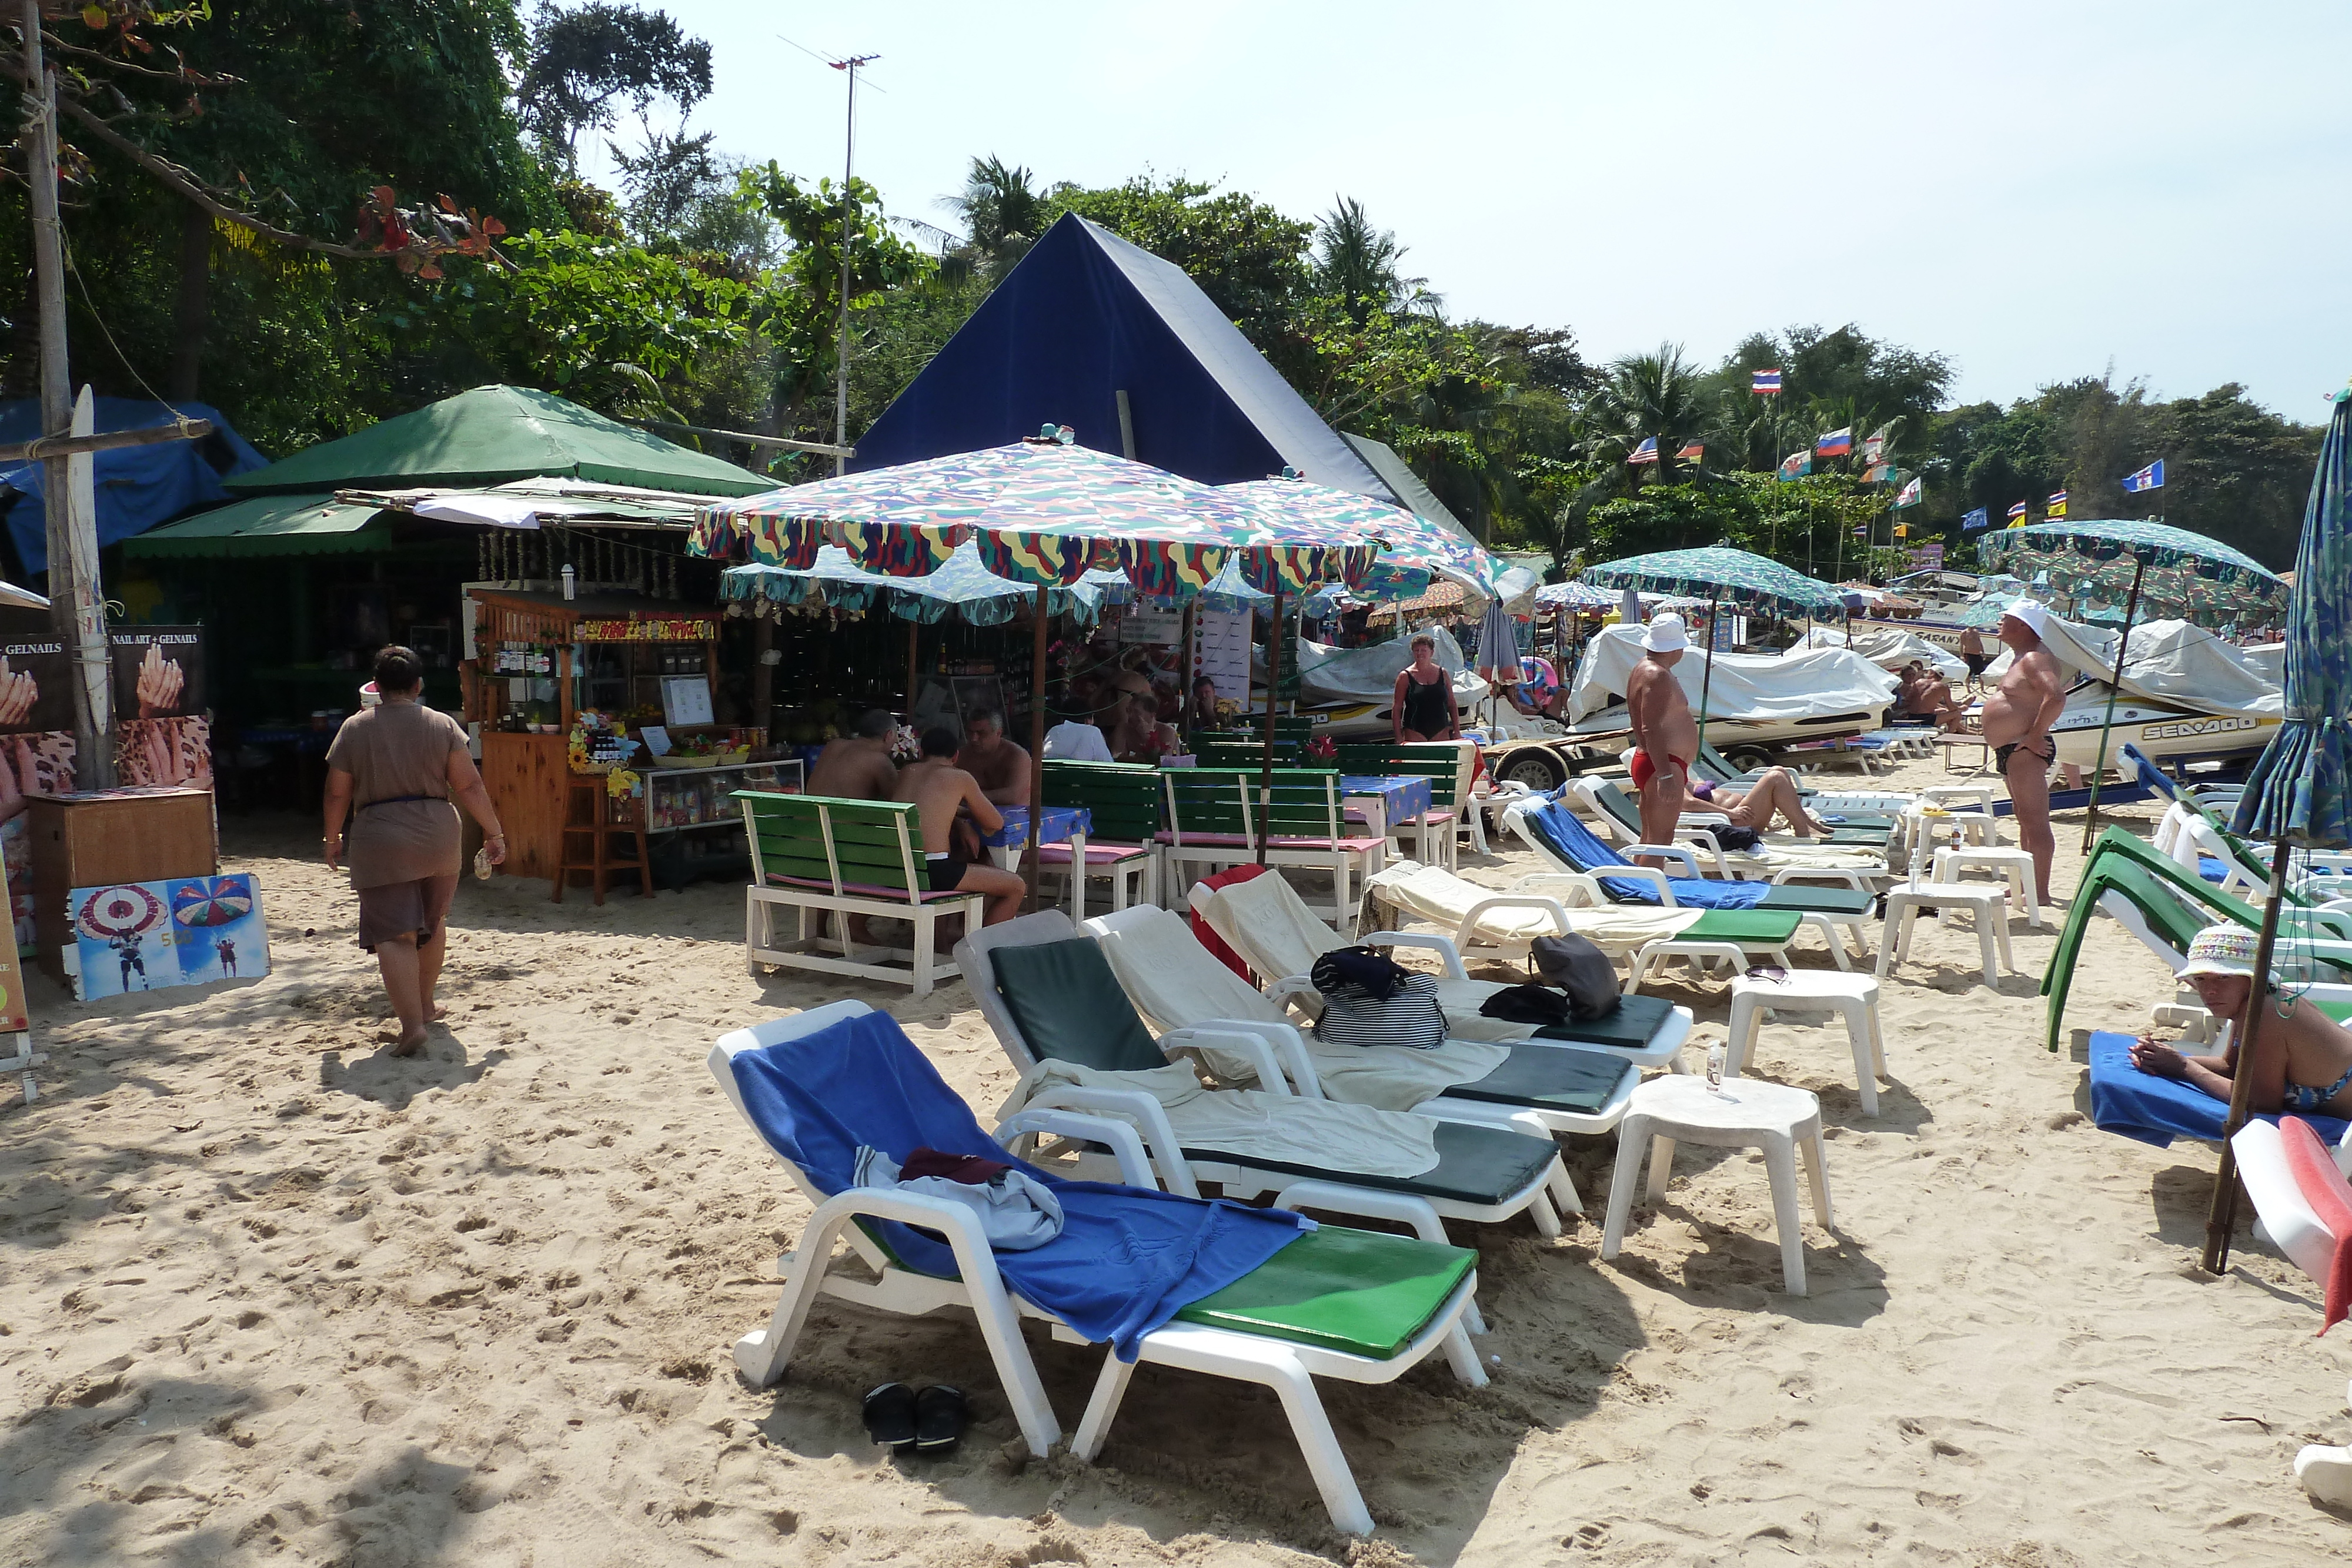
pixel 1971 521
pixel 1836 443
pixel 2057 507
pixel 2148 478
pixel 1796 466
pixel 1645 453
pixel 1764 382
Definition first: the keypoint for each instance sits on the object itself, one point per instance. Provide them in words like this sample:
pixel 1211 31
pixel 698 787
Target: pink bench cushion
pixel 2324 1188
pixel 1237 840
pixel 1096 854
pixel 862 890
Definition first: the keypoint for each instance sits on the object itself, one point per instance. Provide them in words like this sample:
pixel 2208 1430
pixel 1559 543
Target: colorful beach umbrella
pixel 2300 791
pixel 962 588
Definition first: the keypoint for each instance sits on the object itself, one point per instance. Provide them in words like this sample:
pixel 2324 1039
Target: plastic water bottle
pixel 1715 1058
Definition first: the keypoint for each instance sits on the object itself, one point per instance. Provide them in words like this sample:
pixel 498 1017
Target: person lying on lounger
pixel 1771 793
pixel 2313 1075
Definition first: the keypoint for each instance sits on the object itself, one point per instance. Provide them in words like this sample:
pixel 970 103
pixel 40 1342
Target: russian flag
pixel 1836 443
pixel 1764 381
pixel 2148 478
pixel 1645 453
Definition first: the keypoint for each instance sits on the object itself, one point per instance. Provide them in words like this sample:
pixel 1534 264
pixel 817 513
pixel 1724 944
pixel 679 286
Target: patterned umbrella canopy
pixel 2300 790
pixel 1041 513
pixel 2187 575
pixel 1418 548
pixel 1733 576
pixel 962 588
pixel 1577 596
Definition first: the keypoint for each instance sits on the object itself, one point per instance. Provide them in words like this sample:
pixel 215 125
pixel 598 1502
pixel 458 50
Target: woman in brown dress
pixel 393 769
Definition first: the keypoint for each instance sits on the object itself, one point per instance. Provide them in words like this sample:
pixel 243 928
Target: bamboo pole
pixel 2221 1214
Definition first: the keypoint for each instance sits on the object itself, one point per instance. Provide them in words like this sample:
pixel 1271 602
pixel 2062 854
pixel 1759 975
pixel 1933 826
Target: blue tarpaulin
pixel 137 487
pixel 1084 316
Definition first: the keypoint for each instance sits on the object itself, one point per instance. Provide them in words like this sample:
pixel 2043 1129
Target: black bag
pixel 1582 969
pixel 1369 998
pixel 1736 839
pixel 1538 1004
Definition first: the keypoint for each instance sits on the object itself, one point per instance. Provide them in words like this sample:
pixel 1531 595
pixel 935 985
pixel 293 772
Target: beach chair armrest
pixel 1134 1167
pixel 1280 1054
pixel 1291 990
pixel 1469 931
pixel 1436 942
pixel 1857 880
pixel 1396 1207
pixel 1702 820
pixel 1582 892
pixel 960 1224
pixel 1147 1116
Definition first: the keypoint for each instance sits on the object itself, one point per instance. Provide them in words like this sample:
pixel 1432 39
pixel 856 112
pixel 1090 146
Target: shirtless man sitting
pixel 2312 1074
pixel 1002 768
pixel 857 766
pixel 1665 736
pixel 940 790
pixel 1926 695
pixel 2017 719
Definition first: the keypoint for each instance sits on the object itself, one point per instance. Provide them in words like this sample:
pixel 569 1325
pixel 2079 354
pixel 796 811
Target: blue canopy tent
pixel 1092 331
pixel 137 487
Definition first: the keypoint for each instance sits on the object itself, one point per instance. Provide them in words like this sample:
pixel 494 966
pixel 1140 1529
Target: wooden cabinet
pixel 100 837
pixel 527 776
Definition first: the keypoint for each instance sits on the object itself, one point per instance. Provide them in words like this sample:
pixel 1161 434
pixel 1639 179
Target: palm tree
pixel 1002 214
pixel 1357 263
pixel 1655 396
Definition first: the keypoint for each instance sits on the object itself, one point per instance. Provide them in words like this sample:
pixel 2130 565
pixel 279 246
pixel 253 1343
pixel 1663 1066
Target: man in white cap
pixel 2016 720
pixel 2312 1075
pixel 1665 736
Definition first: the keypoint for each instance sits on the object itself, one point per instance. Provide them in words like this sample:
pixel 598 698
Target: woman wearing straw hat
pixel 2313 1075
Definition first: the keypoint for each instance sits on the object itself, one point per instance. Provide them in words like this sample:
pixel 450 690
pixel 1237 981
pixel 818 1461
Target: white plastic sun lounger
pixel 2289 1223
pixel 1286 1365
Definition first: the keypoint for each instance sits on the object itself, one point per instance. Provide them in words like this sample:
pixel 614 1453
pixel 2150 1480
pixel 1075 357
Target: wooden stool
pixel 1748 1115
pixel 591 822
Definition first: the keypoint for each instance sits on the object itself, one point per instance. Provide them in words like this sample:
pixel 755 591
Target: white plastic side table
pixel 1987 903
pixel 1854 998
pixel 1746 1115
pixel 2015 865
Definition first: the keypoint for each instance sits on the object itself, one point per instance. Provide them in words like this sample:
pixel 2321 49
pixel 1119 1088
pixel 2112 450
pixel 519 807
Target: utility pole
pixel 853 65
pixel 74 603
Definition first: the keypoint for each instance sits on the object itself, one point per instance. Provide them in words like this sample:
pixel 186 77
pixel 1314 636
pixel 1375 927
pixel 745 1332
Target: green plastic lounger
pixel 1358 1305
pixel 1048 994
pixel 2159 901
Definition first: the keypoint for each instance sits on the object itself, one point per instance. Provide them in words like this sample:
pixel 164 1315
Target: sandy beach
pixel 267 1294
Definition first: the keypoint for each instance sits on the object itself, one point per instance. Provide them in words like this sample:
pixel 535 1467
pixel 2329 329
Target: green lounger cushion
pixel 1069 1008
pixel 1635 1024
pixel 1818 900
pixel 1474 1164
pixel 1363 1292
pixel 1855 836
pixel 1549 1079
pixel 1758 927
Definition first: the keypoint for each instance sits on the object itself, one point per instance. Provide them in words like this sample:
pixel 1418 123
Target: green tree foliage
pixel 589 61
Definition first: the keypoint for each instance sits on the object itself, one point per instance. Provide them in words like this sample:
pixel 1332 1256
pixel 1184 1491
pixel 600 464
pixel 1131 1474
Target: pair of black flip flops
pixel 930 1422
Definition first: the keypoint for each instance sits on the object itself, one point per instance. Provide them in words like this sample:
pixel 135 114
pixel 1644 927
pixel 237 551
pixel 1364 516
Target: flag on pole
pixel 1971 521
pixel 1860 532
pixel 1902 530
pixel 1874 449
pixel 1909 494
pixel 1836 443
pixel 2148 478
pixel 1877 474
pixel 1764 383
pixel 1645 453
pixel 2017 516
pixel 2057 507
pixel 1692 452
pixel 1796 466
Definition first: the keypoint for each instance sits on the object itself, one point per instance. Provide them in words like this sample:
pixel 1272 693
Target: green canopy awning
pixel 492 434
pixel 265 524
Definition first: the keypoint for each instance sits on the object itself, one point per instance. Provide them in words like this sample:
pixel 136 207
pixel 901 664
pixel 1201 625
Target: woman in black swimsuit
pixel 1423 707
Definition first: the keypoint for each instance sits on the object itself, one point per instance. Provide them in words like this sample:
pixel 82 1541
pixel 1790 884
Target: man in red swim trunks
pixel 1665 736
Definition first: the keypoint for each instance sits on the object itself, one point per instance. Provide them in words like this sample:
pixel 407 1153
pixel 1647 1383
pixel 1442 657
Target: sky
pixel 2038 192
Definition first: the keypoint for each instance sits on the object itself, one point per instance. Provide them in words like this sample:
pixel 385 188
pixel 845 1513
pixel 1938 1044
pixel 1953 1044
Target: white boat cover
pixel 2172 663
pixel 1800 683
pixel 1368 674
pixel 1889 650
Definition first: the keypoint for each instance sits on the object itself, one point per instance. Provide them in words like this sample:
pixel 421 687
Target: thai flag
pixel 1836 443
pixel 2148 478
pixel 1645 453
pixel 1765 382
pixel 2057 507
pixel 2017 516
pixel 1971 521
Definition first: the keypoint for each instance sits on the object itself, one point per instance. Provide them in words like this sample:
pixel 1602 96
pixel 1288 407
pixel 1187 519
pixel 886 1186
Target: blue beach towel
pixel 1127 1259
pixel 1566 835
pixel 2151 1108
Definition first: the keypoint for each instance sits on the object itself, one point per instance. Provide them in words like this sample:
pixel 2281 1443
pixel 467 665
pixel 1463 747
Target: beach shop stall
pixel 601 741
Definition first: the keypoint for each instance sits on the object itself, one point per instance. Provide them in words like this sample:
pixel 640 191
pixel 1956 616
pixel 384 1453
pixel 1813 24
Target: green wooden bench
pixel 815 854
pixel 1214 816
pixel 1123 843
pixel 1447 766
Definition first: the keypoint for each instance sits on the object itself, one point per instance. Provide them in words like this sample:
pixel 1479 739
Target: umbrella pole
pixel 1037 750
pixel 1272 685
pixel 1707 679
pixel 2099 765
pixel 2221 1215
pixel 914 648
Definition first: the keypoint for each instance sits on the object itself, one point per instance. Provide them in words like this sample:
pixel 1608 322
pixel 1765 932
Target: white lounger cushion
pixel 1436 894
